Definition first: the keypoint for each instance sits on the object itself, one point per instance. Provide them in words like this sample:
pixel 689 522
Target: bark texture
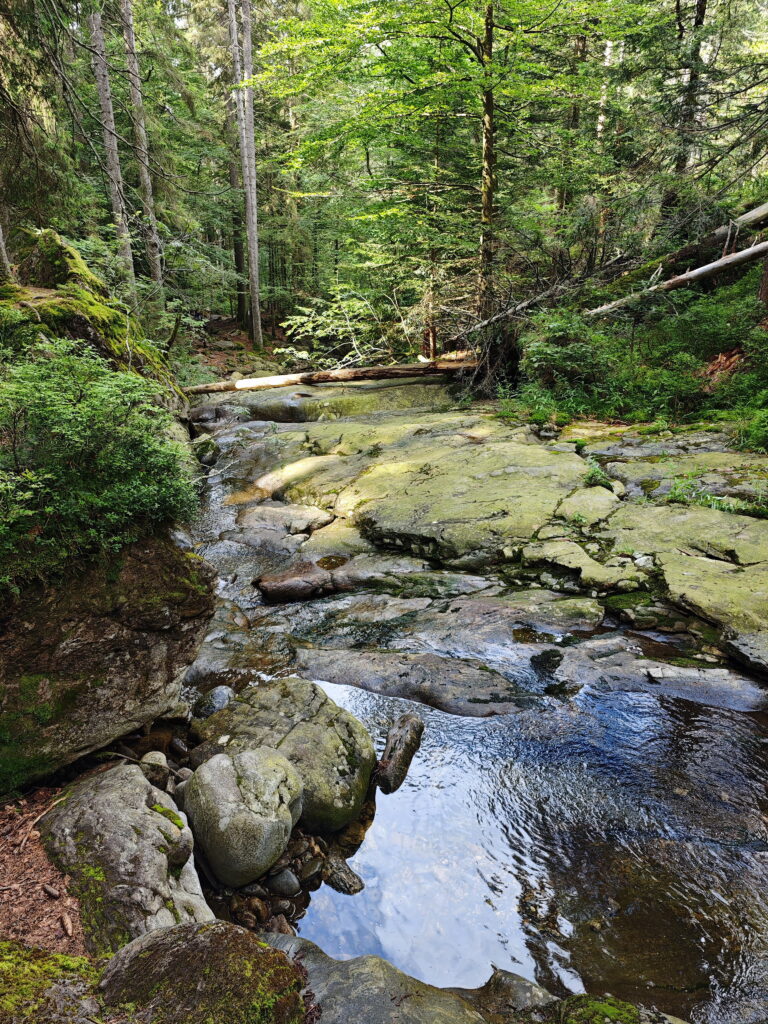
pixel 114 172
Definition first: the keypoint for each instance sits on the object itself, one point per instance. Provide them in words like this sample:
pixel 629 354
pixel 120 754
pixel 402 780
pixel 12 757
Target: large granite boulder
pixel 97 656
pixel 331 751
pixel 128 849
pixel 242 808
pixel 214 973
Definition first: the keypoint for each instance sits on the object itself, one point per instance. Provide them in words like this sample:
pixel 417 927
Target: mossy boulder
pixel 205 974
pixel 128 850
pixel 59 296
pixel 100 654
pixel 601 1010
pixel 331 751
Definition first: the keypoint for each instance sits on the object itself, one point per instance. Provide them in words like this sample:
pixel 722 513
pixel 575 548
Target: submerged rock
pixel 215 973
pixel 331 751
pixel 242 809
pixel 128 850
pixel 92 659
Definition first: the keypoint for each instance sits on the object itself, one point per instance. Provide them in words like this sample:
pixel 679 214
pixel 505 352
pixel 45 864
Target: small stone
pixel 285 883
pixel 154 767
pixel 311 869
pixel 254 889
pixel 213 701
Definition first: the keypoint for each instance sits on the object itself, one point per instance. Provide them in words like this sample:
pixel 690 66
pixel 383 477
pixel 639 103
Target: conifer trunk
pixel 154 249
pixel 488 183
pixel 238 251
pixel 6 270
pixel 244 108
pixel 114 173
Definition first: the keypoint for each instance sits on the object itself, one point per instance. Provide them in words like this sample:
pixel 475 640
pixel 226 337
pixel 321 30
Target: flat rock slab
pixel 458 687
pixel 298 404
pixel 724 474
pixel 128 849
pixel 331 751
pixel 83 664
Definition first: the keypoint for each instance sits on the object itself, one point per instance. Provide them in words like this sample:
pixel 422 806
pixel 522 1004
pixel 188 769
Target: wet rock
pixel 213 701
pixel 617 663
pixel 218 973
pixel 339 875
pixel 154 767
pixel 242 807
pixel 81 665
pixel 284 883
pixel 128 850
pixel 331 751
pixel 371 990
pixel 403 741
pixel 751 649
pixel 505 993
pixel 448 684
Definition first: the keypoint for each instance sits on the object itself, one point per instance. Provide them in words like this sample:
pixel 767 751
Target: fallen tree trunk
pixel 333 376
pixel 721 239
pixel 683 280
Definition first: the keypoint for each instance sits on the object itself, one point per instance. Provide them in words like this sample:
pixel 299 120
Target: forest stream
pixel 587 808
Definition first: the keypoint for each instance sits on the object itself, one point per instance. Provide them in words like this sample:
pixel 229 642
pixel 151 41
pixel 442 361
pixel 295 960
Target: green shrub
pixel 85 462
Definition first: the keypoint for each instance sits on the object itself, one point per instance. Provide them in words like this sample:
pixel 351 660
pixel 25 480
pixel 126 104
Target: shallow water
pixel 614 843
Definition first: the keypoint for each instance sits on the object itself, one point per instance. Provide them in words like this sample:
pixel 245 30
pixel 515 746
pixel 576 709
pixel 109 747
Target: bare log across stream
pixel 351 373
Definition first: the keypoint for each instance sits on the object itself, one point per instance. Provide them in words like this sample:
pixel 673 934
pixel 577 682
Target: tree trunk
pixel 762 291
pixel 683 280
pixel 238 252
pixel 6 270
pixel 154 250
pixel 250 179
pixel 689 107
pixel 488 182
pixel 333 376
pixel 114 173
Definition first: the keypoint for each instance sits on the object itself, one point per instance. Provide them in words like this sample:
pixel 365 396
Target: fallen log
pixel 403 740
pixel 755 252
pixel 351 373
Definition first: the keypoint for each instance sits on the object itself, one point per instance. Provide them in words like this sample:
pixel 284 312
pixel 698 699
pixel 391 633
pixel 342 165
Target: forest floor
pixel 36 906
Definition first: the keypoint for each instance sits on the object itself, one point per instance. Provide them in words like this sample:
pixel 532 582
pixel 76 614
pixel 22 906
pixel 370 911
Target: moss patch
pixel 26 974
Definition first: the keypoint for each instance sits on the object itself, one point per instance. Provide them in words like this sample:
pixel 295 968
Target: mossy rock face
pixel 35 985
pixel 96 656
pixel 48 262
pixel 205 974
pixel 59 296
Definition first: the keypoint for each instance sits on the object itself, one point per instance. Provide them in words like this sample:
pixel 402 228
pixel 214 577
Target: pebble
pixel 285 883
